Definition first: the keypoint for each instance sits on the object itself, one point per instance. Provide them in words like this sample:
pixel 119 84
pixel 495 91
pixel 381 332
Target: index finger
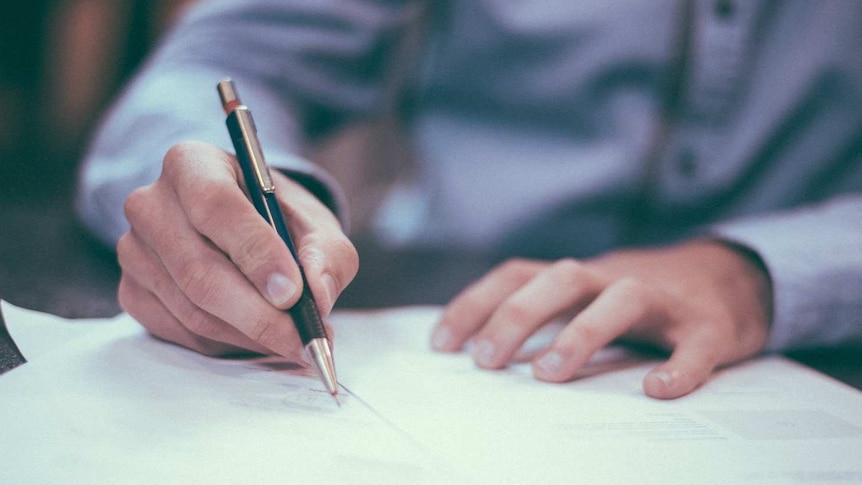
pixel 329 259
pixel 622 305
pixel 471 308
pixel 207 185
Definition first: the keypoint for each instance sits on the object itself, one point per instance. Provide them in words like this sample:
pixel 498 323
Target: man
pixel 722 139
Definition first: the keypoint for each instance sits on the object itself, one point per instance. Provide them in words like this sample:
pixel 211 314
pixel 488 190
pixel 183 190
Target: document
pixel 108 403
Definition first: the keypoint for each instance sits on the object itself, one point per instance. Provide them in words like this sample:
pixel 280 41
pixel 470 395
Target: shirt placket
pixel 718 59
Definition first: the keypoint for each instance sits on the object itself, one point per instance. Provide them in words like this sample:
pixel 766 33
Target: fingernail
pixel 280 289
pixel 331 289
pixel 665 377
pixel 483 353
pixel 441 337
pixel 550 363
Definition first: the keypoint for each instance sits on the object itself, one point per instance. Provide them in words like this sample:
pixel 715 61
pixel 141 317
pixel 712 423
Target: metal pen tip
pixel 321 356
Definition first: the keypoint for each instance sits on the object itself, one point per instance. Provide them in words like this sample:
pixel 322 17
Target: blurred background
pixel 61 64
pixel 61 61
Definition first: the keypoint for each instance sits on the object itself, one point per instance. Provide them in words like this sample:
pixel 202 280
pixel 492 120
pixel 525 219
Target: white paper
pixel 40 333
pixel 115 405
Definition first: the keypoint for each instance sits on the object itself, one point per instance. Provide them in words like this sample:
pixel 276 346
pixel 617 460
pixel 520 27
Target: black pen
pixel 305 316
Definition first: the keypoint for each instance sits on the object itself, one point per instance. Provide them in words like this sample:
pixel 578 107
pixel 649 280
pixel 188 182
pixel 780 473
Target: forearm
pixel 302 78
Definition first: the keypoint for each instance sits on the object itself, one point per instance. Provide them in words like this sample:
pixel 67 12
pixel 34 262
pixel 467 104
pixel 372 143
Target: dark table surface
pixel 49 263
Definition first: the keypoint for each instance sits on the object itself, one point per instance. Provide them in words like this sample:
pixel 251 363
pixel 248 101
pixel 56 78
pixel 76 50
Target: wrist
pixel 752 273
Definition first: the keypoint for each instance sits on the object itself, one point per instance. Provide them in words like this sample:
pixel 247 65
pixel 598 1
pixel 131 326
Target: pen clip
pixel 253 148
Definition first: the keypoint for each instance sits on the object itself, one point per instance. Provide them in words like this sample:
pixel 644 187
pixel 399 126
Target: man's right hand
pixel 201 268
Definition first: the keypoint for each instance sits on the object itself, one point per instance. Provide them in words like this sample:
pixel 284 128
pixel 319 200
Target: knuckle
pixel 566 348
pixel 124 250
pixel 586 333
pixel 209 199
pixel 136 205
pixel 516 313
pixel 178 154
pixel 633 290
pixel 640 302
pixel 174 160
pixel 163 287
pixel 266 332
pixel 570 272
pixel 198 282
pixel 568 265
pixel 632 285
pixel 467 303
pixel 254 249
pixel 199 323
pixel 337 253
pixel 310 247
pixel 347 256
pixel 345 249
pixel 519 269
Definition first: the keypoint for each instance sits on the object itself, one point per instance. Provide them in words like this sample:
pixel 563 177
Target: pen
pixel 306 318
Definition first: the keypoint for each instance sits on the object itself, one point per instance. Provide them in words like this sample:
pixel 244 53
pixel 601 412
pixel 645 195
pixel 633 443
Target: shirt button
pixel 724 9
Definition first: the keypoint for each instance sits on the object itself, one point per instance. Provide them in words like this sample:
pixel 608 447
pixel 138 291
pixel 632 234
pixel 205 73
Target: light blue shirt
pixel 550 128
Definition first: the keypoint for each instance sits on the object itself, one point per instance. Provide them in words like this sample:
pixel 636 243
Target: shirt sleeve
pixel 304 67
pixel 814 258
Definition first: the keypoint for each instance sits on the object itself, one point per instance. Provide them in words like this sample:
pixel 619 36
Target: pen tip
pixel 335 396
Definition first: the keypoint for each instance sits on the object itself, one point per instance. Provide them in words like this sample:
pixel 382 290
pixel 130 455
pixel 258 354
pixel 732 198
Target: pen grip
pixel 306 318
pixel 305 315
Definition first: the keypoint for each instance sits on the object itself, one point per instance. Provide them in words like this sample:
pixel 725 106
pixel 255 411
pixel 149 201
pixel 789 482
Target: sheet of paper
pixel 116 403
pixel 116 406
pixel 767 421
pixel 40 333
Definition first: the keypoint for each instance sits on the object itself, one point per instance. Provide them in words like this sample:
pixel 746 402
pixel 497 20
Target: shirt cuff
pixel 815 265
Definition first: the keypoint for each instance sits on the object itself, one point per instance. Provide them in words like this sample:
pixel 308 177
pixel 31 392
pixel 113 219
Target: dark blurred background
pixel 60 64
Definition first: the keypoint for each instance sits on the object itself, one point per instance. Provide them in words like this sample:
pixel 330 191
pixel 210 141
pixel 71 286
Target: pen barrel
pixel 240 123
pixel 261 190
pixel 272 213
pixel 305 315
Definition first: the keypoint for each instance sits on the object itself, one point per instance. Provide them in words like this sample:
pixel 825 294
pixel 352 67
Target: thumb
pixel 689 366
